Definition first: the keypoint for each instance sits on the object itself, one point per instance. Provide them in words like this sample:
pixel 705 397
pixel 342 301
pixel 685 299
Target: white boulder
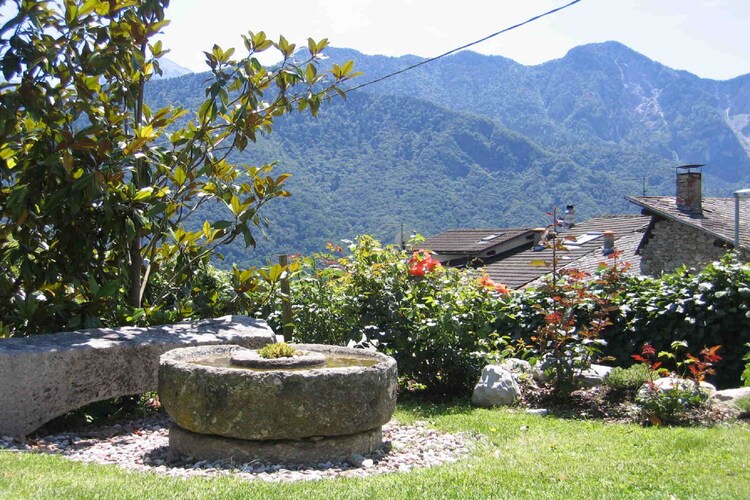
pixel 729 397
pixel 496 387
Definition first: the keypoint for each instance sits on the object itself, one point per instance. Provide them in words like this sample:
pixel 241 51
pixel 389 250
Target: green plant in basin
pixel 277 350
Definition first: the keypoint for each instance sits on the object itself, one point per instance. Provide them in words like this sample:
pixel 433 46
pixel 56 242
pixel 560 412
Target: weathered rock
pixel 541 412
pixel 538 374
pixel 517 367
pixel 248 358
pixel 186 445
pixel 668 383
pixel 594 375
pixel 277 404
pixel 44 376
pixel 496 387
pixel 729 397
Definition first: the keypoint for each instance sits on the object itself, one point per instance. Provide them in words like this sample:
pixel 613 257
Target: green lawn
pixel 523 457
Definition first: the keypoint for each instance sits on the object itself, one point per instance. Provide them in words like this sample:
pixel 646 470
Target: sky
pixel 710 38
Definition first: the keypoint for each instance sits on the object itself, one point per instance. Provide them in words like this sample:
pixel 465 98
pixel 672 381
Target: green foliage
pixel 97 188
pixel 668 406
pixel 710 307
pixel 277 350
pixel 746 372
pixel 439 327
pixel 574 316
pixel 627 380
pixel 443 326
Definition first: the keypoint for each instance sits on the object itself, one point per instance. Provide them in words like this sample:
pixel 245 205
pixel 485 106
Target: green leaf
pixel 143 194
pixel 179 176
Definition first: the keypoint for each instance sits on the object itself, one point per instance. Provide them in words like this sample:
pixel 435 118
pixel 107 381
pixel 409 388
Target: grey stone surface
pixel 729 397
pixel 594 375
pixel 672 244
pixel 186 445
pixel 517 367
pixel 45 376
pixel 496 387
pixel 277 404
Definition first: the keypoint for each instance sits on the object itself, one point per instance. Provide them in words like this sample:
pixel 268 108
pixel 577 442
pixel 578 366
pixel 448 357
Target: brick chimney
pixel 689 195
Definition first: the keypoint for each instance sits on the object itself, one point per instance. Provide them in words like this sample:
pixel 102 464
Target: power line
pixel 505 30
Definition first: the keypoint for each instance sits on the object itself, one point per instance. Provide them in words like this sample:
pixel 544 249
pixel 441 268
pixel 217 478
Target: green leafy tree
pixel 95 187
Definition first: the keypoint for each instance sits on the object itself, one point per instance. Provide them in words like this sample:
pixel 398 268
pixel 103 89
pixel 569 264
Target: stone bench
pixel 45 376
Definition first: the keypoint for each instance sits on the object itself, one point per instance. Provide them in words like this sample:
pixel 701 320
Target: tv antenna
pixel 642 178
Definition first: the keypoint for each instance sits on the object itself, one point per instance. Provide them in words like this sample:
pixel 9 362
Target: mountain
pixel 601 93
pixel 170 69
pixel 481 141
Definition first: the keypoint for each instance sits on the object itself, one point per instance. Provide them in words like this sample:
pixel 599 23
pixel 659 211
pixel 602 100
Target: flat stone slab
pixel 186 445
pixel 45 376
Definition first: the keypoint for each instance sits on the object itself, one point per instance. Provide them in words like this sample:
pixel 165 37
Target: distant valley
pixel 481 141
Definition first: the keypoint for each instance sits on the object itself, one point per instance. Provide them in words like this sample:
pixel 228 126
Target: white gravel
pixel 142 445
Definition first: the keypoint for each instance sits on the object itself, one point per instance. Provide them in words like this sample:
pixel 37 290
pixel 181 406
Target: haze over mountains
pixel 481 141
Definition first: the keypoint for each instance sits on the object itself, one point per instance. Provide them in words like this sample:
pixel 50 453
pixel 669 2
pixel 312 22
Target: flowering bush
pixel 442 325
pixel 440 328
pixel 422 262
pixel 487 282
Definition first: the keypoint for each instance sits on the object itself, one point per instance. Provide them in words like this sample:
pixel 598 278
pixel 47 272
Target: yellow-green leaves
pixel 143 135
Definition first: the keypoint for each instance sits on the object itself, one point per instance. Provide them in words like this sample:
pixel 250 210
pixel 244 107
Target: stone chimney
pixel 569 218
pixel 538 245
pixel 608 242
pixel 689 195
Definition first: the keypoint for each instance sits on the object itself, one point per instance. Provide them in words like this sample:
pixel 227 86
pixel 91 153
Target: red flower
pixel 421 262
pixel 486 281
pixel 648 350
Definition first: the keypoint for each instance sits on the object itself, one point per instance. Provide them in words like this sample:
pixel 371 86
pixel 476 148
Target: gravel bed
pixel 142 445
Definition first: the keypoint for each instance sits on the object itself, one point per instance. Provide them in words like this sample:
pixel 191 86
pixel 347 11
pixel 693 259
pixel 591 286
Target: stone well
pixel 224 411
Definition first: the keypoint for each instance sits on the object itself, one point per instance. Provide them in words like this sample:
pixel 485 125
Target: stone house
pixel 690 230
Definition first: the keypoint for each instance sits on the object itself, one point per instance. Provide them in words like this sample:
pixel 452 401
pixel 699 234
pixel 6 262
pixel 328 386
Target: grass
pixel 522 456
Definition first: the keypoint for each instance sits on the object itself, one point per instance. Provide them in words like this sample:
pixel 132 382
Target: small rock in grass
pixel 542 412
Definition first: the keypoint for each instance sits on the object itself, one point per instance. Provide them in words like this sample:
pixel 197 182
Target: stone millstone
pixel 277 404
pixel 249 358
pixel 186 445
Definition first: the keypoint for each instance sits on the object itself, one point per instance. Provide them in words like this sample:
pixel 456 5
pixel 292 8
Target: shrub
pixel 665 405
pixel 438 323
pixel 746 372
pixel 710 307
pixel 627 380
pixel 662 407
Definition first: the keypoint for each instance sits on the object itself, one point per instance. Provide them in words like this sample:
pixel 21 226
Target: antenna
pixel 400 239
pixel 641 178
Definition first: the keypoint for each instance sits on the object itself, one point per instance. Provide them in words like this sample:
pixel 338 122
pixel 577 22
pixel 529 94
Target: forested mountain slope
pixel 481 141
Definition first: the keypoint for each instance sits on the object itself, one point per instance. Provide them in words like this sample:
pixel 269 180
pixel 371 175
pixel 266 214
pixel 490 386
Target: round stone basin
pixel 352 392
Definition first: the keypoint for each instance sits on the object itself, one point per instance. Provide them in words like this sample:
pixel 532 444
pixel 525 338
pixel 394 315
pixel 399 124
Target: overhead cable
pixel 505 30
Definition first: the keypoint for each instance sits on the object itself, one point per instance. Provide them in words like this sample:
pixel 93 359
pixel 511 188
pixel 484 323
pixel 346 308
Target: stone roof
pixel 471 241
pixel 516 271
pixel 716 219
